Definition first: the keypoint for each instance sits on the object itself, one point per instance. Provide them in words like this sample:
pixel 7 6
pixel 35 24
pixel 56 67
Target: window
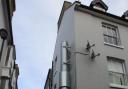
pixel 7 56
pixel 117 71
pixel 1 47
pixel 55 67
pixel 3 83
pixel 55 86
pixel 111 34
pixel 55 63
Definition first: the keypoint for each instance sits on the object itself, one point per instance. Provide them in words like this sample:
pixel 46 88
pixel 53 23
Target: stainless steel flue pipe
pixel 65 70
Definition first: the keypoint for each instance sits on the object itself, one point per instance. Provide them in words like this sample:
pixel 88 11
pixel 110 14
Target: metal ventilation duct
pixel 64 74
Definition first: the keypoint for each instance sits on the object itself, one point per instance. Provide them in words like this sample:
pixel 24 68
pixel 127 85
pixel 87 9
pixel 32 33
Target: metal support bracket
pixel 67 63
pixel 81 53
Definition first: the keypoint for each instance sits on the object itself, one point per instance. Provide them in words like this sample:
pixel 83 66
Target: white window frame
pixel 123 78
pixel 111 34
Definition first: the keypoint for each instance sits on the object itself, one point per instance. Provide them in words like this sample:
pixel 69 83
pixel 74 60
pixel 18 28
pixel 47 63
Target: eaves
pixel 101 14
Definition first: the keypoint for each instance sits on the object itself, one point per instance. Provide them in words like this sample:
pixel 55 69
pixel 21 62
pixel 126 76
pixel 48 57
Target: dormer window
pixel 125 15
pixel 99 5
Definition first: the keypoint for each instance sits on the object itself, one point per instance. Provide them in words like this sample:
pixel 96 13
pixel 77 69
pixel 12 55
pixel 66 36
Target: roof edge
pixel 48 75
pixel 65 6
pixel 101 14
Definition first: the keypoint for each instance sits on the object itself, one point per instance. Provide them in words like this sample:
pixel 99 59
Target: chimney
pixel 125 15
pixel 99 5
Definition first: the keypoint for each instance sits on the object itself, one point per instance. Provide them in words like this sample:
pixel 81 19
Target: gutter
pixel 101 14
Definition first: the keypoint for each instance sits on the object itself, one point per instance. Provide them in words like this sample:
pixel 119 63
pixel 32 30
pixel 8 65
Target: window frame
pixel 115 40
pixel 125 81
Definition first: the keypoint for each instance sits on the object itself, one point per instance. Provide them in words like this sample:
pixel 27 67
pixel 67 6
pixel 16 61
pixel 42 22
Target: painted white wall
pixel 89 27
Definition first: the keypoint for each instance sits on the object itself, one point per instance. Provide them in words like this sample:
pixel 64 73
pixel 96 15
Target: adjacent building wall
pixel 2 25
pixel 9 70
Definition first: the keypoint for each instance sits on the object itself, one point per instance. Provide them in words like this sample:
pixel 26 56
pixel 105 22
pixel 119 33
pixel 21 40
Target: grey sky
pixel 35 30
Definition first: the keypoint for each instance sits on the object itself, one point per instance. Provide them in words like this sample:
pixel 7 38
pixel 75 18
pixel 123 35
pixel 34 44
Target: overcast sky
pixel 35 30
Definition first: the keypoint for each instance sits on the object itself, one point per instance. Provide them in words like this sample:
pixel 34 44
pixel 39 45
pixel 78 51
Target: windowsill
pixel 118 86
pixel 121 47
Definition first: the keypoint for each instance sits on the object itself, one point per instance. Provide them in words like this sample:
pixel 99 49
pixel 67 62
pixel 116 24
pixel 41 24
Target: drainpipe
pixel 64 73
pixel 3 35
